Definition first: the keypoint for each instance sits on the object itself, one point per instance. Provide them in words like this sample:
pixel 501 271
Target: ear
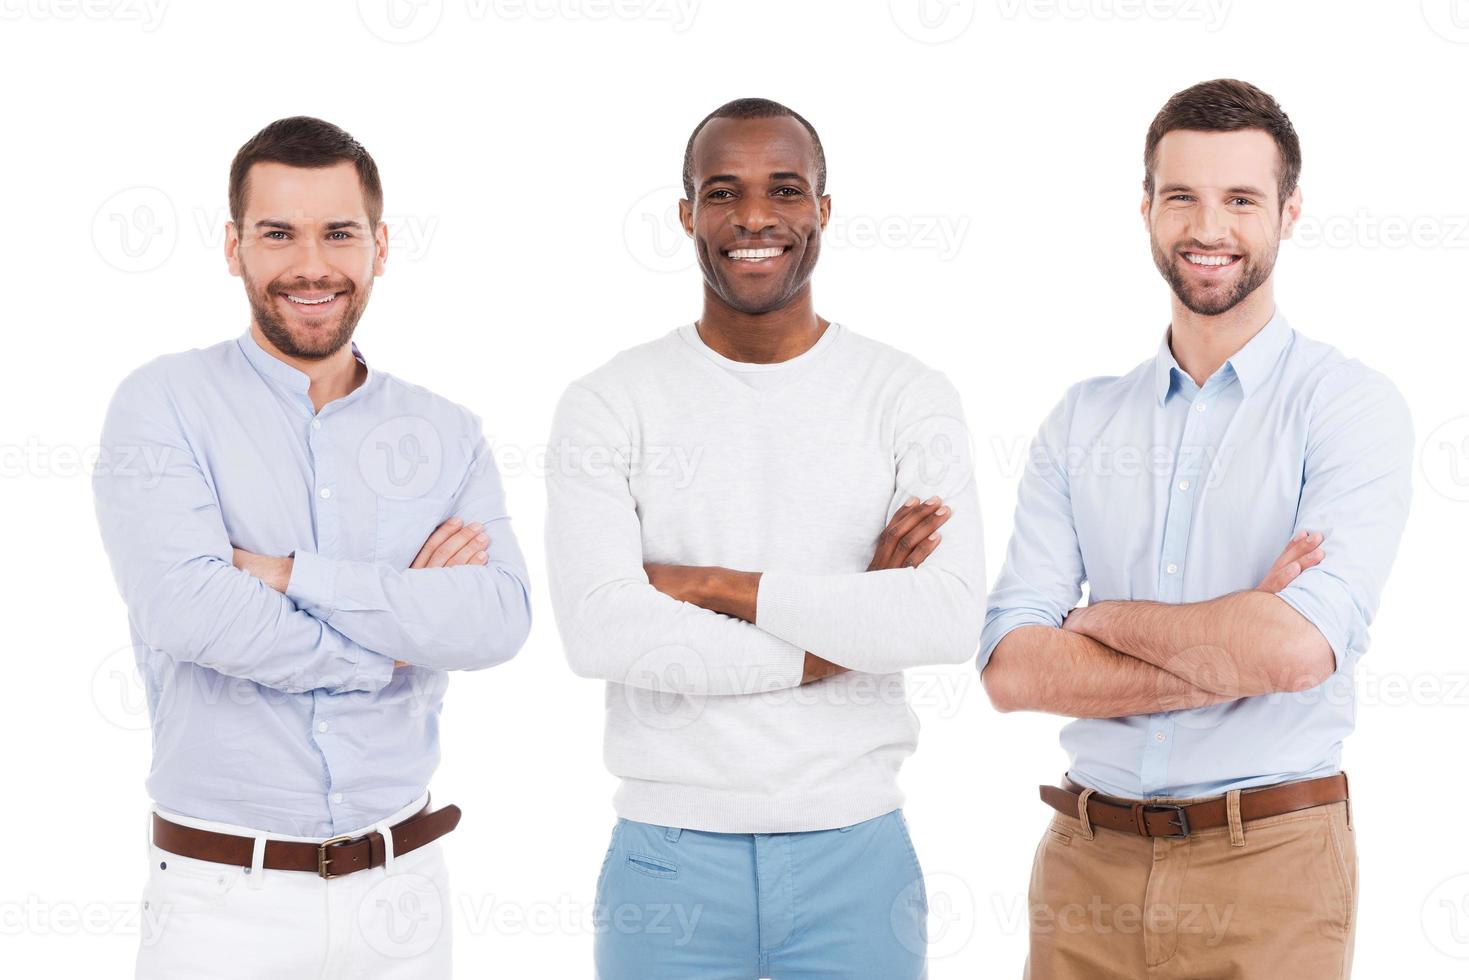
pixel 825 210
pixel 1291 213
pixel 232 248
pixel 686 216
pixel 1147 206
pixel 380 246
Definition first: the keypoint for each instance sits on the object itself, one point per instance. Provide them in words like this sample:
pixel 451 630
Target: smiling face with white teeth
pixel 1215 219
pixel 757 213
pixel 307 253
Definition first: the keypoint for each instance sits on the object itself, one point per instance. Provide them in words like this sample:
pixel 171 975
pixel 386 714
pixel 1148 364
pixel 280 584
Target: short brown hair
pixel 1223 106
pixel 302 141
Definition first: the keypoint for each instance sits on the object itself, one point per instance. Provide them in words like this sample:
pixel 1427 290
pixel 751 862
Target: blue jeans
pixel 842 904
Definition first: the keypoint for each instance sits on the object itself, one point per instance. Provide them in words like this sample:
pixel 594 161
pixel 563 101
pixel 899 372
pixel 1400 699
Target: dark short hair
pixel 751 109
pixel 301 141
pixel 1222 106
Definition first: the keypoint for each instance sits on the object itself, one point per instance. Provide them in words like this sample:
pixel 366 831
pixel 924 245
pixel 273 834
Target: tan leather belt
pixel 329 859
pixel 1179 820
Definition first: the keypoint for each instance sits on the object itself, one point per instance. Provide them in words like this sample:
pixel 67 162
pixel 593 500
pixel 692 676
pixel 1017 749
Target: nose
pixel 754 215
pixel 309 261
pixel 1210 225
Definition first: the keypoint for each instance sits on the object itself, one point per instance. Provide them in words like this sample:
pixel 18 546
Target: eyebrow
pixel 778 175
pixel 276 223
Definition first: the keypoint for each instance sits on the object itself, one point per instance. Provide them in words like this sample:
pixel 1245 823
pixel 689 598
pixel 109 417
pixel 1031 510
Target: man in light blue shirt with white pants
pixel 1203 827
pixel 305 545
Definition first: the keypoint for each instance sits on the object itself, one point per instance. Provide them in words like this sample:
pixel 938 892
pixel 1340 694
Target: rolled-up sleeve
pixel 1043 573
pixel 1357 484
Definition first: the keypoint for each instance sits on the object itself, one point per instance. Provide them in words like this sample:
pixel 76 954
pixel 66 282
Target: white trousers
pixel 206 920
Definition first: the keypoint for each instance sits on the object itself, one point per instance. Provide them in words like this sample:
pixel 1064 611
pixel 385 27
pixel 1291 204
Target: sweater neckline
pixel 729 369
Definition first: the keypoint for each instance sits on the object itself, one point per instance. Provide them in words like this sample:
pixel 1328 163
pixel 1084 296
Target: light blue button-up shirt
pixel 1150 487
pixel 284 712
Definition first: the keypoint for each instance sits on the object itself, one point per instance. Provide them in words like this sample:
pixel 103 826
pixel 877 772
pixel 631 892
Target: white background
pixel 985 174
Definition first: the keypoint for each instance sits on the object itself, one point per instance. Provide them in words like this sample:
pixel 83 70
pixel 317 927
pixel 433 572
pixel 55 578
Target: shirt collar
pixel 1251 364
pixel 1254 361
pixel 283 374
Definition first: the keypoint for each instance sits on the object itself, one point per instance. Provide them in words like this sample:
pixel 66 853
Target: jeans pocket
pixel 1344 868
pixel 651 865
pixel 607 858
pixel 907 838
pixel 176 882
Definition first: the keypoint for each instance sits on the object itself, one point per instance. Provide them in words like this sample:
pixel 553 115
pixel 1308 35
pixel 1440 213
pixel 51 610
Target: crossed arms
pixel 1112 659
pixel 747 631
pixel 196 598
pixel 1307 618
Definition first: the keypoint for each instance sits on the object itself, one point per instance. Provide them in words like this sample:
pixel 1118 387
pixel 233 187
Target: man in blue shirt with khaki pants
pixel 1203 828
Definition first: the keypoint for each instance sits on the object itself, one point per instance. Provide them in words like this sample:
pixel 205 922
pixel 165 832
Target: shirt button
pixel 322 726
pixel 336 797
pixel 1183 484
pixel 316 423
pixel 325 493
pixel 1199 406
pixel 1158 736
pixel 1172 568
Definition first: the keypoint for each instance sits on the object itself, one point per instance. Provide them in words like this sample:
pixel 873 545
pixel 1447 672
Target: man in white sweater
pixel 744 543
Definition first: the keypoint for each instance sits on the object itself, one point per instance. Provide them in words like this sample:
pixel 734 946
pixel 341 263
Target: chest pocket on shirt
pixel 404 524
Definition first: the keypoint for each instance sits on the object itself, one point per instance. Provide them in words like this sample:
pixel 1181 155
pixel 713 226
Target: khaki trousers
pixel 1272 899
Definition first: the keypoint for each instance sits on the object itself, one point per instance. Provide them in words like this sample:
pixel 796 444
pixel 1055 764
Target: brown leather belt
pixel 1175 820
pixel 329 859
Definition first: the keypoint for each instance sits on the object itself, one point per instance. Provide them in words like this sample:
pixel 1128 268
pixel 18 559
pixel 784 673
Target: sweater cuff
pixel 313 583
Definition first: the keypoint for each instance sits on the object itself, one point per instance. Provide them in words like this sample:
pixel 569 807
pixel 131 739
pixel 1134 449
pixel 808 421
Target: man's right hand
pixel 1303 552
pixel 910 536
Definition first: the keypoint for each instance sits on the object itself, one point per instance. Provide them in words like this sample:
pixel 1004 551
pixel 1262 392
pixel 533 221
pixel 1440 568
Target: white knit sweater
pixel 672 453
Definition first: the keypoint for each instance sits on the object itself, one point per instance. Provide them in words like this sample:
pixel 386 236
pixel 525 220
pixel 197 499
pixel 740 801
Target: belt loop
pixel 386 830
pixel 1347 790
pixel 1086 821
pixel 671 834
pixel 1236 825
pixel 256 872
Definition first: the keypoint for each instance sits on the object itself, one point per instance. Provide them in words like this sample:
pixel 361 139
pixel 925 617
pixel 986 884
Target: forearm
pixel 1242 644
pixel 870 621
pixel 171 557
pixel 461 618
pixel 207 612
pixel 1041 668
pixel 630 633
pixel 877 622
